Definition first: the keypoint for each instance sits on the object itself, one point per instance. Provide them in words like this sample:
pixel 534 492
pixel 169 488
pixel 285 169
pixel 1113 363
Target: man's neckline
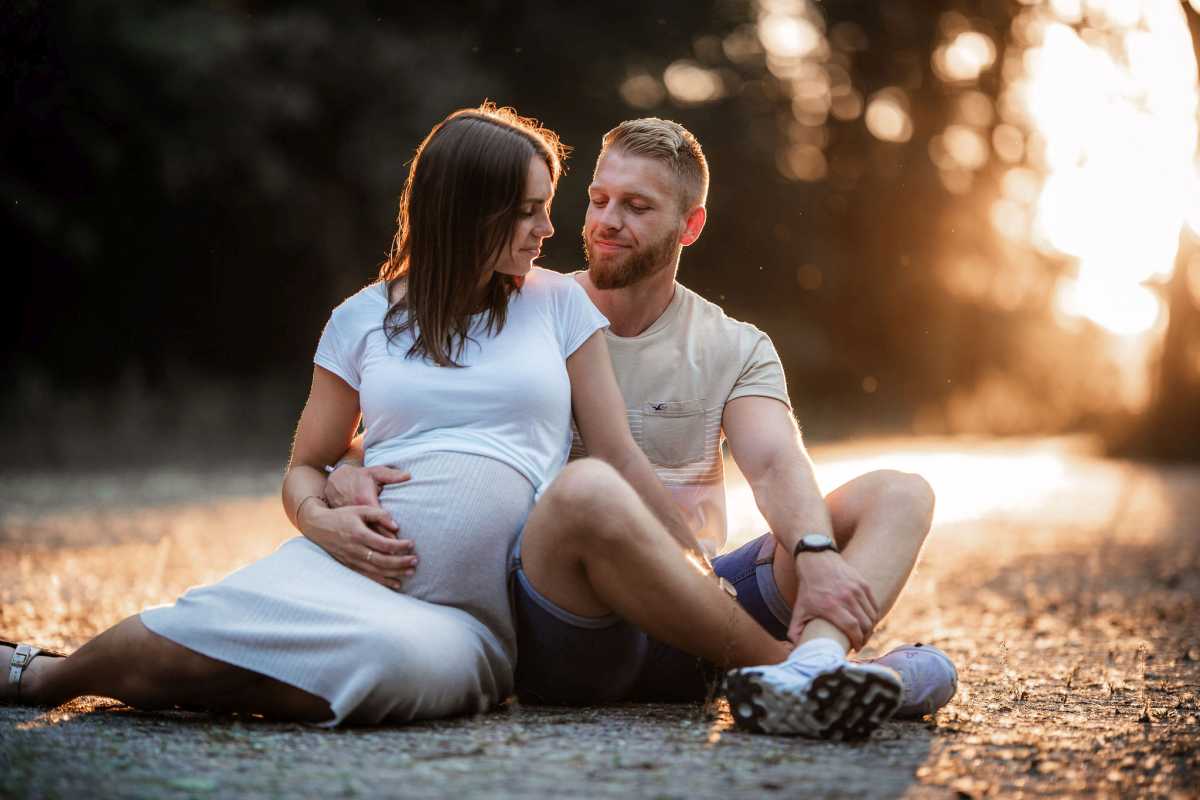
pixel 669 314
pixel 662 321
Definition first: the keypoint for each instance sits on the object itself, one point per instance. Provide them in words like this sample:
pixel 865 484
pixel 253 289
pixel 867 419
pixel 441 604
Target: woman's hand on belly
pixel 363 538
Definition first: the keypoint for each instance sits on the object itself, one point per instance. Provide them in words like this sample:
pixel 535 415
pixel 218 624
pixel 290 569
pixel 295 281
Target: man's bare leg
pixel 593 548
pixel 880 520
pixel 130 663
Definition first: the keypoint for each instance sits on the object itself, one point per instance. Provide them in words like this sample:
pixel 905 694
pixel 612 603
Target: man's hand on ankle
pixel 833 590
pixel 355 485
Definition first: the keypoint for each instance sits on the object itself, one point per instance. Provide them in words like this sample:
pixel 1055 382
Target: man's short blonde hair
pixel 670 143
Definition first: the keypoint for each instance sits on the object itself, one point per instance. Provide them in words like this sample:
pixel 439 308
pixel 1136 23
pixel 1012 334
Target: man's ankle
pixel 819 645
pixel 820 629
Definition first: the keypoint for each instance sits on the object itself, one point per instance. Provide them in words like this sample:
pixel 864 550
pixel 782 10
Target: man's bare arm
pixel 767 447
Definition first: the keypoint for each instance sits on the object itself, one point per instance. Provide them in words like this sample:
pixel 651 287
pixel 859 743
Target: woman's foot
pixel 22 666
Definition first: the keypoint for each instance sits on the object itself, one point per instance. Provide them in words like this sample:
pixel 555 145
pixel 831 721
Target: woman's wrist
pixel 309 513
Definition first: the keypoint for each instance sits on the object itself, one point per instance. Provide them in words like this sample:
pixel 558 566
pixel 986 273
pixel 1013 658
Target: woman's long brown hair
pixel 457 213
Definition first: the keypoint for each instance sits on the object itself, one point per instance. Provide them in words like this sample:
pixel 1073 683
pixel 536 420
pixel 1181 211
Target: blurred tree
pixel 189 187
pixel 1171 429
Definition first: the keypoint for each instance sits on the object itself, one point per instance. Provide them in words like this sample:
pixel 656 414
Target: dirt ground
pixel 1066 587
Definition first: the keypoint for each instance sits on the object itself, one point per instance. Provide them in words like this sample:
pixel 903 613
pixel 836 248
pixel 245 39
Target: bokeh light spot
pixel 887 116
pixel 975 108
pixel 965 57
pixel 691 84
pixel 847 106
pixel 809 277
pixel 642 91
pixel 803 162
pixel 1009 143
pixel 1010 219
pixel 742 46
pixel 966 146
pixel 788 37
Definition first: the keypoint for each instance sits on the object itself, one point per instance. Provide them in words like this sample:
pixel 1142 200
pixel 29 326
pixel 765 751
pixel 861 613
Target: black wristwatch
pixel 814 543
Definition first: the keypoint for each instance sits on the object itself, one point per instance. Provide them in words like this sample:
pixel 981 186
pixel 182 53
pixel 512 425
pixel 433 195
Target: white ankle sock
pixel 821 646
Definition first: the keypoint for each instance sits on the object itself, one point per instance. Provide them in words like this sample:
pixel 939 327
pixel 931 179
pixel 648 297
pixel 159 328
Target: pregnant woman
pixel 461 362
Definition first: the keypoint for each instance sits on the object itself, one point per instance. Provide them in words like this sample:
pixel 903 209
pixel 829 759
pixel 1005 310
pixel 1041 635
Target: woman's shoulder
pixel 550 285
pixel 366 305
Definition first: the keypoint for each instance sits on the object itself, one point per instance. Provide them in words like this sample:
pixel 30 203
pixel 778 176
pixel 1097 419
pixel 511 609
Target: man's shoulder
pixel 706 317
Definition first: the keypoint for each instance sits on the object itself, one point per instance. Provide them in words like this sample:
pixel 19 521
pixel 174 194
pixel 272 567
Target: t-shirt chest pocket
pixel 673 432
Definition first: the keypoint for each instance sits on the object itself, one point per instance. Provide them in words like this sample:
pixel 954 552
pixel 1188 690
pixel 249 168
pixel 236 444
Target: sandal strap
pixel 22 655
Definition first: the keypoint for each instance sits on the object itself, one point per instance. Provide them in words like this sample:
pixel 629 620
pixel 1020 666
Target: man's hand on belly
pixel 352 485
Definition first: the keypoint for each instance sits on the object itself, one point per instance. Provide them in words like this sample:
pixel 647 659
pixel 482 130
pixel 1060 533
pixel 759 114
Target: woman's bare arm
pixel 357 536
pixel 600 416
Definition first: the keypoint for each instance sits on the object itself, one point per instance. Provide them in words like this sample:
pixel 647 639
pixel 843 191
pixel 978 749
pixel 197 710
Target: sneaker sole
pixel 842 704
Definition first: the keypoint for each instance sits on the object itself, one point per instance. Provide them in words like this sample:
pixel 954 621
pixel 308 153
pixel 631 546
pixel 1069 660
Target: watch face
pixel 816 540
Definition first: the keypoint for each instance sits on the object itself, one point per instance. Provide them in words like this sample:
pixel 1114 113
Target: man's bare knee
pixel 909 494
pixel 579 518
pixel 588 500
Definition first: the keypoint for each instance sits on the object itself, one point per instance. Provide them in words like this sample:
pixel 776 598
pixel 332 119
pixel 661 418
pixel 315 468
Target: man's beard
pixel 637 266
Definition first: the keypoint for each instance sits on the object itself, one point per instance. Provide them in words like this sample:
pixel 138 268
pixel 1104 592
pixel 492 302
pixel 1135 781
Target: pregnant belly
pixel 463 514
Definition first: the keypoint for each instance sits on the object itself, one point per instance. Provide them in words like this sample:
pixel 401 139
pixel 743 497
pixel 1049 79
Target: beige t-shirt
pixel 676 378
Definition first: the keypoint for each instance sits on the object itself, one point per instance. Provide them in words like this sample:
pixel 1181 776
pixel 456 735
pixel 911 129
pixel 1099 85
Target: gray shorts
pixel 566 659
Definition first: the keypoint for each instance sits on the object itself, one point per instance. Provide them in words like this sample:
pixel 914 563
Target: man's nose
pixel 609 218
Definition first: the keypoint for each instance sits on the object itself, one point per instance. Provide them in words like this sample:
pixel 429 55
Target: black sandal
pixel 22 656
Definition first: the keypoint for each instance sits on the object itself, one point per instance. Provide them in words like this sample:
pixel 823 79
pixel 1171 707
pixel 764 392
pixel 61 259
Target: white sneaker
pixel 816 692
pixel 928 675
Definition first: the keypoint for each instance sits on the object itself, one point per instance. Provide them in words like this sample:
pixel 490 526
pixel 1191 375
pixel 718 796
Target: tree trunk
pixel 1172 425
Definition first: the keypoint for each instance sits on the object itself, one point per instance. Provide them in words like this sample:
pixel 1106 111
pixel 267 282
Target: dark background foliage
pixel 188 188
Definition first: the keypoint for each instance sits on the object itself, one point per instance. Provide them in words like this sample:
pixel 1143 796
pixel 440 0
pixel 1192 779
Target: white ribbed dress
pixel 481 442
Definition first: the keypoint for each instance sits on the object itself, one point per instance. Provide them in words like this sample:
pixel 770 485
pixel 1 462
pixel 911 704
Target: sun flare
pixel 1108 94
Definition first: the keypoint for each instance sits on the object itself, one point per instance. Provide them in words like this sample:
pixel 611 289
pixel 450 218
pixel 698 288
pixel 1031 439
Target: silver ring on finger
pixel 370 556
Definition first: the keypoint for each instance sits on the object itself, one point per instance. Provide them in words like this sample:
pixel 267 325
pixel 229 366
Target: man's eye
pixel 639 209
pixel 596 202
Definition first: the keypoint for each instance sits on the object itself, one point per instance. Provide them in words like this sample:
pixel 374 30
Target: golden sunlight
pixel 1015 479
pixel 1111 111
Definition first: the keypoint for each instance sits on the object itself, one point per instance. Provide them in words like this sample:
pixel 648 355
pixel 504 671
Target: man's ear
pixel 692 225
